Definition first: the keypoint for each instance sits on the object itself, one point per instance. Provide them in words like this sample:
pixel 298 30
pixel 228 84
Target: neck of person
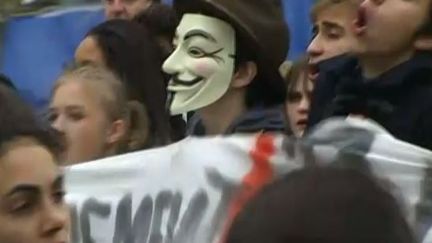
pixel 220 115
pixel 374 65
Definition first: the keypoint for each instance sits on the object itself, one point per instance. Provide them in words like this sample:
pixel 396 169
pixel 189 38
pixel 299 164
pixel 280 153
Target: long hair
pixel 131 52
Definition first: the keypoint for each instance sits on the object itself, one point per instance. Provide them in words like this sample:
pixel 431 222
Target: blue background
pixel 36 48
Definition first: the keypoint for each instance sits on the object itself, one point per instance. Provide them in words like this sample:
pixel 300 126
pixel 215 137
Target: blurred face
pixel 386 27
pixel 31 196
pixel 333 34
pixel 202 64
pixel 124 9
pixel 298 104
pixel 77 113
pixel 89 52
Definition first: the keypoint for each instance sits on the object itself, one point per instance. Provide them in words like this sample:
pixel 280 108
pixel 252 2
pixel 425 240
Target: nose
pixel 304 105
pixel 173 63
pixel 59 124
pixel 116 9
pixel 315 48
pixel 55 220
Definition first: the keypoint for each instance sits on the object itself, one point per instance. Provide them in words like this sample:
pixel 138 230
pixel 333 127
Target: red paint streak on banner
pixel 260 174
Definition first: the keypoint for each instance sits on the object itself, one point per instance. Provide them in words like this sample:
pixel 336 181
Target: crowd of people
pixel 152 74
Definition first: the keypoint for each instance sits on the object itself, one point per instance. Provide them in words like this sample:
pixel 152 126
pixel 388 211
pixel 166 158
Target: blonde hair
pixel 321 5
pixel 113 98
pixel 104 83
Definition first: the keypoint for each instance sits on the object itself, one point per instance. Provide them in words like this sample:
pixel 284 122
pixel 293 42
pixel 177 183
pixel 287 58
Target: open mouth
pixel 302 123
pixel 313 71
pixel 360 23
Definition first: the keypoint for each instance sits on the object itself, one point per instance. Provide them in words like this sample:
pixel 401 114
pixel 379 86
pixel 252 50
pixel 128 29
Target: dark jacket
pixel 400 100
pixel 325 86
pixel 255 120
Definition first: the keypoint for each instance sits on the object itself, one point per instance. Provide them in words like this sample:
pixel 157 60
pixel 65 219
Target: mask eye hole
pixel 196 52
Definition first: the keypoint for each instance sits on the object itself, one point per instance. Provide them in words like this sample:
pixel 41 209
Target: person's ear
pixel 423 43
pixel 117 131
pixel 139 131
pixel 244 75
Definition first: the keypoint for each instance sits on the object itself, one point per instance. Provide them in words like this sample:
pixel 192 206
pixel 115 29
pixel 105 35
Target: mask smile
pixel 178 85
pixel 176 81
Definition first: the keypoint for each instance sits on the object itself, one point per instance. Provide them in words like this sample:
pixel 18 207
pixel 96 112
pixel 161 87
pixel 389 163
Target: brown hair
pixel 321 5
pixel 131 52
pixel 18 122
pixel 112 97
pixel 295 73
pixel 325 205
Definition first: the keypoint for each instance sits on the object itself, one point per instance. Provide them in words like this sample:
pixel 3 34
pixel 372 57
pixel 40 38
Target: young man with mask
pixel 222 66
pixel 333 40
pixel 125 9
pixel 392 82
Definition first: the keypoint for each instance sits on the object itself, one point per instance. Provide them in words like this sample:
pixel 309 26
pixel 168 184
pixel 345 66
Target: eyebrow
pixel 34 189
pixel 199 33
pixel 332 25
pixel 23 188
pixel 69 107
pixel 59 181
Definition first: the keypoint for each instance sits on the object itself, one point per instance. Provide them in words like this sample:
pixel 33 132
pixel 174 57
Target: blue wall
pixel 37 48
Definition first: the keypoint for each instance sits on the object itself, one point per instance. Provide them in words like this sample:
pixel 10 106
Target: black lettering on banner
pixel 228 191
pixel 192 217
pixel 95 207
pixel 122 232
pixel 147 222
pixel 142 221
pixel 174 216
pixel 162 202
pixel 75 230
pixel 139 230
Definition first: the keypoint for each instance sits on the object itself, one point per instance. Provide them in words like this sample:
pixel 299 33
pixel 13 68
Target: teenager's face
pixel 89 52
pixel 31 196
pixel 125 9
pixel 386 27
pixel 333 33
pixel 202 64
pixel 77 113
pixel 297 105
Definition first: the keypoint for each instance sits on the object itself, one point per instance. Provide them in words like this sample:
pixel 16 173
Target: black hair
pixel 322 205
pixel 4 80
pixel 130 51
pixel 162 21
pixel 17 120
pixel 259 92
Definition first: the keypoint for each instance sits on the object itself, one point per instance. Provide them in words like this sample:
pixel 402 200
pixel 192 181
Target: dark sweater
pixel 400 100
pixel 255 120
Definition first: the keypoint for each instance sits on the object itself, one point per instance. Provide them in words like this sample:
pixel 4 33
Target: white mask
pixel 202 65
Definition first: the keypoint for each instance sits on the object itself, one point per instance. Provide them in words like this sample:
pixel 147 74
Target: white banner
pixel 189 192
